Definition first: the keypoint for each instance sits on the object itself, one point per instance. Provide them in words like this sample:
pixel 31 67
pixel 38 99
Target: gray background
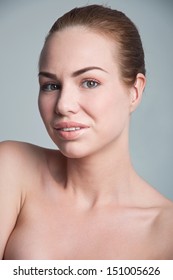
pixel 23 27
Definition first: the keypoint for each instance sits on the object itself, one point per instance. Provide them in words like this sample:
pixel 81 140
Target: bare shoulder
pixel 159 226
pixel 162 226
pixel 166 215
pixel 17 161
pixel 22 166
pixel 24 160
pixel 12 150
pixel 163 205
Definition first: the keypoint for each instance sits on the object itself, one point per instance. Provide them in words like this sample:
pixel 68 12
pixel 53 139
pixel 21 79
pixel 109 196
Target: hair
pixel 116 26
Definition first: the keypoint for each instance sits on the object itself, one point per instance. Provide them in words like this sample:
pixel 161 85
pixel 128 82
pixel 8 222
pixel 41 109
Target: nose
pixel 67 102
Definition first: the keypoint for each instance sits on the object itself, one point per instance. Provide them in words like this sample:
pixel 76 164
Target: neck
pixel 102 177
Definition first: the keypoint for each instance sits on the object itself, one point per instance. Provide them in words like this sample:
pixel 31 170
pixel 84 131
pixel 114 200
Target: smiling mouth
pixel 69 128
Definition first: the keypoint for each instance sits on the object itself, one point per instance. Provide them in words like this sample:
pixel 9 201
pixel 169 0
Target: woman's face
pixel 83 102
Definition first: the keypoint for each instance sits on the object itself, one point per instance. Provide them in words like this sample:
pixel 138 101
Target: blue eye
pixel 50 87
pixel 90 84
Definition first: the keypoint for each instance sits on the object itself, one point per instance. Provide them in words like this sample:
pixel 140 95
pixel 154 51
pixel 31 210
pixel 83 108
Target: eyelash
pixel 96 83
pixel 49 87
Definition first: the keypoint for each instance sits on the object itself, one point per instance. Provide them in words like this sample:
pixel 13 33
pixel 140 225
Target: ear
pixel 136 91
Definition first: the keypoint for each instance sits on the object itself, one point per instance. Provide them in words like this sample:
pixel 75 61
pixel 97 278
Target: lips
pixel 70 130
pixel 67 126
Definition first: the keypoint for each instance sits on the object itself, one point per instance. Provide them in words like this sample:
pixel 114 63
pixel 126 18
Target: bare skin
pixel 86 200
pixel 47 219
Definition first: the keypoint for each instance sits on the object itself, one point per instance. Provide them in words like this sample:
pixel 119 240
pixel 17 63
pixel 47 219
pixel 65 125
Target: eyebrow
pixel 81 71
pixel 74 74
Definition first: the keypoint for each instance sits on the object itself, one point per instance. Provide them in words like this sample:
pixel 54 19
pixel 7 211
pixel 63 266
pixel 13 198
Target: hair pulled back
pixel 116 26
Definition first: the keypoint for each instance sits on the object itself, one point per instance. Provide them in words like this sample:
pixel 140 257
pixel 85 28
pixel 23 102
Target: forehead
pixel 78 46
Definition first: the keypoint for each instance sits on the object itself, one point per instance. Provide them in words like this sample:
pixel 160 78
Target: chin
pixel 72 155
pixel 74 151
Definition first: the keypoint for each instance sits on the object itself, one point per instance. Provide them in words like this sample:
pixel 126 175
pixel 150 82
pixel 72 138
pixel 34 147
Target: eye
pixel 90 84
pixel 50 87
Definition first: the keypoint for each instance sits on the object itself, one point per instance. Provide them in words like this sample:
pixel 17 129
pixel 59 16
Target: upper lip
pixel 61 125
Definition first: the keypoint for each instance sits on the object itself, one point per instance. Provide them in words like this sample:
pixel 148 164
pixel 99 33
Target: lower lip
pixel 70 135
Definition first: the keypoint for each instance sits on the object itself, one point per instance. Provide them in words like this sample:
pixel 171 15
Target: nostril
pixel 64 106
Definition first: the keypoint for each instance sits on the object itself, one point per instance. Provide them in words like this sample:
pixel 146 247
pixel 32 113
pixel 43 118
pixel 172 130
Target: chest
pixel 62 234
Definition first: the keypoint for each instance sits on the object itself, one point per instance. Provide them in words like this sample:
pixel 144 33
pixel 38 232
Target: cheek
pixel 112 112
pixel 107 106
pixel 41 106
pixel 45 107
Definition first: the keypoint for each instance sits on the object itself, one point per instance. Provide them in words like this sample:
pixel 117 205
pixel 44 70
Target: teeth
pixel 70 128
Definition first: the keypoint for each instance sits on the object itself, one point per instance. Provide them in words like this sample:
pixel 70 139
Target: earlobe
pixel 137 91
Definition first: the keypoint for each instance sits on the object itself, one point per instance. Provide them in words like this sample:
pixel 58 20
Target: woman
pixel 85 200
